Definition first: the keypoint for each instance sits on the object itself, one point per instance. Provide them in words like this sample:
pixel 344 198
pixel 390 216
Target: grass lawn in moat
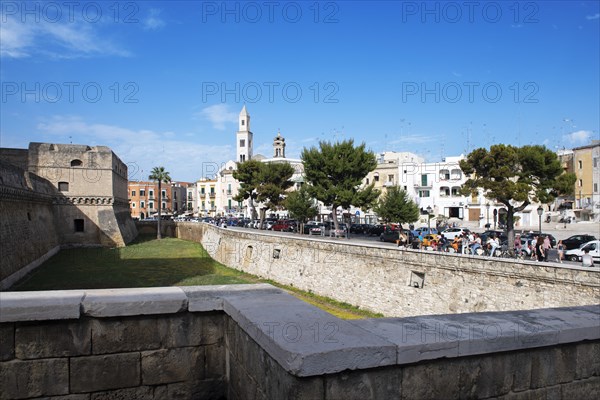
pixel 147 262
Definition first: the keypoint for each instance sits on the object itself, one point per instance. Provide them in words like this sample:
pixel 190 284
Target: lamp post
pixel 487 207
pixel 540 211
pixel 429 219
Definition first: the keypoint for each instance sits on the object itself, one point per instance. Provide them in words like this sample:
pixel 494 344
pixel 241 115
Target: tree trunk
pixel 510 228
pixel 158 235
pixel 334 216
pixel 262 219
pixel 253 214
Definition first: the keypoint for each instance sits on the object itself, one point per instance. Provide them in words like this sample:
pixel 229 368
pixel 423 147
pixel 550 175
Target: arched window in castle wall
pixel 76 163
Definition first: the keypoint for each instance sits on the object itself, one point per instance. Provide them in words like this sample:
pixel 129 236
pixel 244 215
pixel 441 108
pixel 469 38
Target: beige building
pixel 586 166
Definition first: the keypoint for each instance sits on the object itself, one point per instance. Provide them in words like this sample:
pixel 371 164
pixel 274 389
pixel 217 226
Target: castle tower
pixel 244 137
pixel 279 146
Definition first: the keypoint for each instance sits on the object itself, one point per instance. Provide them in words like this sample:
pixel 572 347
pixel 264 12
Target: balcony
pixel 212 195
pixel 228 192
pixel 426 185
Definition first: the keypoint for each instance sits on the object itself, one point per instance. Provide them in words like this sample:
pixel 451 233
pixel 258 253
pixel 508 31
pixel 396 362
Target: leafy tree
pixel 247 173
pixel 273 182
pixel 516 177
pixel 158 174
pixel 396 206
pixel 335 173
pixel 301 206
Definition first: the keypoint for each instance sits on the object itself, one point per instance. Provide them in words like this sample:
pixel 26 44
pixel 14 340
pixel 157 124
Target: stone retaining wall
pixel 397 282
pixel 258 342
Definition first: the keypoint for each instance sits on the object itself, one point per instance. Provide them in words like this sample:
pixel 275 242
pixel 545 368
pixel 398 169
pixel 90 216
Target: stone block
pixel 486 376
pixel 40 306
pixel 431 380
pixel 105 372
pixel 305 340
pixel 138 393
pixel 210 298
pixel 380 383
pixel 214 356
pixel 210 389
pixel 582 389
pixel 133 301
pixel 34 378
pixel 53 339
pixel 588 360
pixel 172 365
pixel 194 329
pixel 127 334
pixel 7 341
pixel 240 383
pixel 522 371
pixel 83 396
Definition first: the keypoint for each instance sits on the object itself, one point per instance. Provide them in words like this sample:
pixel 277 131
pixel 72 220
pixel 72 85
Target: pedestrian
pixel 586 259
pixel 547 246
pixel 539 249
pixel 561 250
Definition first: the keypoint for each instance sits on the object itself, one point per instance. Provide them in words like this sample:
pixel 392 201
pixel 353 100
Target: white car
pixel 451 233
pixel 593 247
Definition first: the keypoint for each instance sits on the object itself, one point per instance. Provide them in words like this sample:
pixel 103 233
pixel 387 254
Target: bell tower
pixel 244 137
pixel 279 146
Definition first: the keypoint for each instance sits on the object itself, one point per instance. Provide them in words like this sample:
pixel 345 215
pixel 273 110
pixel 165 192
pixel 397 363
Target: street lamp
pixel 487 207
pixel 540 211
pixel 429 210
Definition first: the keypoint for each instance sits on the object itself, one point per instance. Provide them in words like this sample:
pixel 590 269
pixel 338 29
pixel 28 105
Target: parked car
pixel 451 233
pixel 376 229
pixel 424 231
pixel 593 247
pixel 284 226
pixel 359 228
pixel 318 229
pixel 392 235
pixel 575 241
pixel 501 235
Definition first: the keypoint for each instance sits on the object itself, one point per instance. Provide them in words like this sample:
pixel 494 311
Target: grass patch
pixel 147 262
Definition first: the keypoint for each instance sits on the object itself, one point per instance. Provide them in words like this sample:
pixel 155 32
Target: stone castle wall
pixel 39 204
pixel 398 282
pixel 27 227
pixel 258 342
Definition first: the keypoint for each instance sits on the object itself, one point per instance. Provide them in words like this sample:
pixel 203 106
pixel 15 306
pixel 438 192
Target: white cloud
pixel 590 17
pixel 153 21
pixel 141 149
pixel 54 39
pixel 218 115
pixel 578 137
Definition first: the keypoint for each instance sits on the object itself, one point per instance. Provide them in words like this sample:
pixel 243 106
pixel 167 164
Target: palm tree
pixel 159 175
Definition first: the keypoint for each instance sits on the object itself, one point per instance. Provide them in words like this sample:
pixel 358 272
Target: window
pixel 189 206
pixel 202 192
pixel 142 192
pixel 164 205
pixel 595 188
pixel 444 191
pixel 242 157
pixel 580 182
pixel 76 163
pixel 133 193
pixel 444 174
pixel 133 205
pixel 78 225
pixel 204 205
pixel 63 186
pixel 242 143
pixel 424 180
pixel 151 194
pixel 424 193
pixel 163 193
pixel 391 178
pixel 580 164
pixel 212 205
pixel 243 122
pixel 595 162
pixel 151 205
pixel 376 178
pixel 142 204
pixel 455 191
pixel 229 204
pixel 456 174
pixel 367 181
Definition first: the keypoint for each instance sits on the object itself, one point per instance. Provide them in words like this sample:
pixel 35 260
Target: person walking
pixel 561 250
pixel 547 246
pixel 539 249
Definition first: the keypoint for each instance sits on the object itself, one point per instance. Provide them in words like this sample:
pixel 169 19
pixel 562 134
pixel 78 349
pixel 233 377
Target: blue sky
pixel 162 83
